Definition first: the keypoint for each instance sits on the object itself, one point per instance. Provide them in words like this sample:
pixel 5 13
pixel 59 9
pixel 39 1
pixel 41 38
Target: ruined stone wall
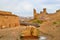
pixel 5 12
pixel 47 16
pixel 9 21
pixel 35 14
pixel 42 13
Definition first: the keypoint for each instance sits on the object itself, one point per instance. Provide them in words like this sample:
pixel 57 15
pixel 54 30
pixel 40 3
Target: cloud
pixel 8 5
pixel 24 8
pixel 51 2
pixel 16 5
pixel 25 5
pixel 57 0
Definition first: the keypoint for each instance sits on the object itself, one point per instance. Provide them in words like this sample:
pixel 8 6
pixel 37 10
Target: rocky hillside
pixel 52 29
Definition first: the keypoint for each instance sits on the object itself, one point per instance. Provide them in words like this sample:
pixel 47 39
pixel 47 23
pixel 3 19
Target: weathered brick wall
pixel 8 20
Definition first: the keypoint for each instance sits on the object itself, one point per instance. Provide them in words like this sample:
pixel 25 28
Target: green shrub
pixel 54 22
pixel 38 21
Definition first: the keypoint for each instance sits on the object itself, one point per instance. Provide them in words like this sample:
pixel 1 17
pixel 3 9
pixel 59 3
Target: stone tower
pixel 44 11
pixel 35 14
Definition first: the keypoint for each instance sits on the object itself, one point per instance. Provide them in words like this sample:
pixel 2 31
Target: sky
pixel 25 7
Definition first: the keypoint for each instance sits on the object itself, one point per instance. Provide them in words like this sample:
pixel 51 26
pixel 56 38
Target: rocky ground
pixel 50 30
pixel 10 34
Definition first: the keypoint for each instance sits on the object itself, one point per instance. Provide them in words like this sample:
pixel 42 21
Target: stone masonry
pixel 7 19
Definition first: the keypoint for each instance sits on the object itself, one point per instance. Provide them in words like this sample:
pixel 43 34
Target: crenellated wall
pixel 44 15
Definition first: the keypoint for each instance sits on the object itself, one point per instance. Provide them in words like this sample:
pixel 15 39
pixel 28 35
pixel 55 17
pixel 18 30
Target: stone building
pixel 45 16
pixel 7 19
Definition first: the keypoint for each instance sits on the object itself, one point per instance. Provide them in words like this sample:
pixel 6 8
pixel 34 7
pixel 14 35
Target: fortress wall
pixel 5 12
pixel 9 20
pixel 47 16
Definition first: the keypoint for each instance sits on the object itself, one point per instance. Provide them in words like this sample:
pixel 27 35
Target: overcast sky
pixel 25 7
